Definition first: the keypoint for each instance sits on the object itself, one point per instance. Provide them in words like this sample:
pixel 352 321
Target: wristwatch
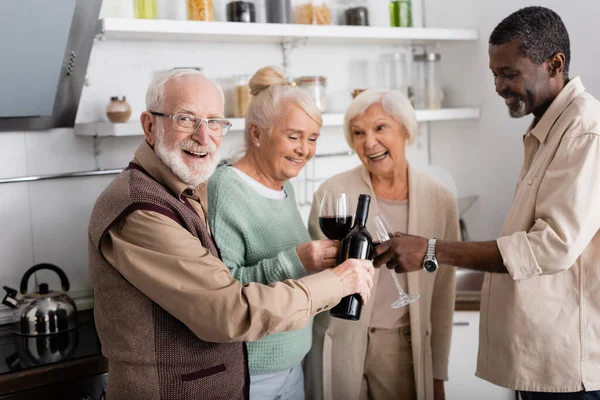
pixel 430 264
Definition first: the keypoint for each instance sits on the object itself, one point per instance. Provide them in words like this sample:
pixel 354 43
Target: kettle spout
pixel 10 299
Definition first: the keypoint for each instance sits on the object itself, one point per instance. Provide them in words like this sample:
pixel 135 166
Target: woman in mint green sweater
pixel 256 224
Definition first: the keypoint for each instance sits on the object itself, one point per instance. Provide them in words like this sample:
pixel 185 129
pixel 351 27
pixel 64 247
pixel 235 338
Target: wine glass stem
pixel 395 278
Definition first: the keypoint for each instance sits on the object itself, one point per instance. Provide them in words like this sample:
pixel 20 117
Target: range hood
pixel 44 53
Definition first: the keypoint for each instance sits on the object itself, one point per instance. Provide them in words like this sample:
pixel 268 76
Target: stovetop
pixel 19 353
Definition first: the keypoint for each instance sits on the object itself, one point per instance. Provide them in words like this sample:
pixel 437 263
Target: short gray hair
pixel 393 102
pixel 155 95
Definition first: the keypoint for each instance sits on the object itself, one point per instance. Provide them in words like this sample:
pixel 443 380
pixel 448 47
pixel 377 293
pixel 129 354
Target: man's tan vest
pixel 152 355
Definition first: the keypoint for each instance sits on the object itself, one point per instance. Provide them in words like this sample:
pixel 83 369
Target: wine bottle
pixel 358 243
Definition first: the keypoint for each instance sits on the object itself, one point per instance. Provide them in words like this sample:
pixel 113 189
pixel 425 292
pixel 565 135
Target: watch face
pixel 430 266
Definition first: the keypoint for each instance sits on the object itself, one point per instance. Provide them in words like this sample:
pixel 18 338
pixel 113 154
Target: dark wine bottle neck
pixel 362 211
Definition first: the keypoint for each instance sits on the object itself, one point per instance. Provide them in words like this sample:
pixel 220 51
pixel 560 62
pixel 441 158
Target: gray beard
pixel 519 112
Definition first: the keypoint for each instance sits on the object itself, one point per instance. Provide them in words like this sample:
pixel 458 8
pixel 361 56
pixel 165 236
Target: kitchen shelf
pixel 102 129
pixel 144 29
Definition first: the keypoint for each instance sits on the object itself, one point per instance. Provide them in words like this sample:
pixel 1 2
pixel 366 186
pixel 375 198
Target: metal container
pixel 44 312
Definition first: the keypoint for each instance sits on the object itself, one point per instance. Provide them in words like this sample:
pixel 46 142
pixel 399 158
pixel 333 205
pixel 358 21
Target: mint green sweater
pixel 257 237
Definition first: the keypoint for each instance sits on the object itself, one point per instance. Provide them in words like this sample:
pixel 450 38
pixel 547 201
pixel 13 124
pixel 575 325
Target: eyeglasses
pixel 190 123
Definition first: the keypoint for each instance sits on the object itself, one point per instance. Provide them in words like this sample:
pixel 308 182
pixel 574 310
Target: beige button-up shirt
pixel 171 267
pixel 540 323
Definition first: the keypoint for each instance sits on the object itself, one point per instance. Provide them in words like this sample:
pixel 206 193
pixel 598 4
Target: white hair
pixel 155 95
pixel 393 102
pixel 271 92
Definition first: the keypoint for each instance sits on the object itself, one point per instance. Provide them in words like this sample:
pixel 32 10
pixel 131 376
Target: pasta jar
pixel 201 10
pixel 315 85
pixel 312 12
pixel 242 95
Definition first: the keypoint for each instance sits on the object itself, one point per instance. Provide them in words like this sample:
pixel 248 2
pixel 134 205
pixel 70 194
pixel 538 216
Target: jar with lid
pixel 242 95
pixel 241 11
pixel 145 9
pixel 315 85
pixel 427 81
pixel 118 110
pixel 200 10
pixel 401 13
pixel 312 12
pixel 393 72
pixel 279 11
pixel 355 12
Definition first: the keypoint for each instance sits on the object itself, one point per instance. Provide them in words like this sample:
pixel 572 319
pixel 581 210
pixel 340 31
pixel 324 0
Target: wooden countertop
pixel 52 373
pixel 467 301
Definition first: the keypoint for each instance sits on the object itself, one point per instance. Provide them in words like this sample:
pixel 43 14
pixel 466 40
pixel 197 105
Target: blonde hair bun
pixel 266 77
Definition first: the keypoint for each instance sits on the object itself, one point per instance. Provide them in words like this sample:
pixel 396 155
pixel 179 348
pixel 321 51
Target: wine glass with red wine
pixel 382 234
pixel 335 218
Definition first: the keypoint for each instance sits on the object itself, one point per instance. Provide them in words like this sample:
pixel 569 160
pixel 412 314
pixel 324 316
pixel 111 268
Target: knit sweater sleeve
pixel 230 220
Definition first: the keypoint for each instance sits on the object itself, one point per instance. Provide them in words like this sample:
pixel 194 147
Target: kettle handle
pixel 64 281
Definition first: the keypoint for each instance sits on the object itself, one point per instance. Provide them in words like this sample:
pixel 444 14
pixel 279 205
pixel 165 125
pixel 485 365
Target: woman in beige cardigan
pixel 390 353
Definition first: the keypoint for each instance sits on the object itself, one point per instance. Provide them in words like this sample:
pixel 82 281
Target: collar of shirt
pixel 147 159
pixel 571 90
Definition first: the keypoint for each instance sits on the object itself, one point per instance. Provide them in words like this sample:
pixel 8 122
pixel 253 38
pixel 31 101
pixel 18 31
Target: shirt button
pixel 530 181
pixel 373 330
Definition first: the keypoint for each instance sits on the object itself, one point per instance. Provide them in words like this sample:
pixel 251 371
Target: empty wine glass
pixel 335 219
pixel 404 299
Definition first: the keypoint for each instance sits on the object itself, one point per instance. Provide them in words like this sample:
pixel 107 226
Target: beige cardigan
pixel 334 367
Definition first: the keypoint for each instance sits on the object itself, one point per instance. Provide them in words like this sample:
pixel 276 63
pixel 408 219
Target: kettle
pixel 44 312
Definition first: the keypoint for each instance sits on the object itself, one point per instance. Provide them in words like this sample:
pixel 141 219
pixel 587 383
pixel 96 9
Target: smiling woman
pixel 358 361
pixel 257 226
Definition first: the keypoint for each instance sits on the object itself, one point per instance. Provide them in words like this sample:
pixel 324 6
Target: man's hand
pixel 356 276
pixel 438 390
pixel 404 253
pixel 318 255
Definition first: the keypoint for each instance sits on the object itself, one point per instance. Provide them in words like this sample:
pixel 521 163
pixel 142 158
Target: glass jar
pixel 315 85
pixel 312 12
pixel 241 11
pixel 401 13
pixel 242 95
pixel 427 81
pixel 394 72
pixel 145 9
pixel 118 110
pixel 356 12
pixel 117 9
pixel 200 10
pixel 279 11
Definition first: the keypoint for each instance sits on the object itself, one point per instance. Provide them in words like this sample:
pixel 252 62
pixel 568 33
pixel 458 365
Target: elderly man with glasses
pixel 170 317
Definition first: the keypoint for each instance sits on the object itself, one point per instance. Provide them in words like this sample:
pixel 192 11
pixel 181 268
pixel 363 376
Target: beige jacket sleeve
pixel 442 302
pixel 172 268
pixel 567 212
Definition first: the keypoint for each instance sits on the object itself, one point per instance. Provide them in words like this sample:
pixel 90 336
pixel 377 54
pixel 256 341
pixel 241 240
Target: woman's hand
pixel 318 255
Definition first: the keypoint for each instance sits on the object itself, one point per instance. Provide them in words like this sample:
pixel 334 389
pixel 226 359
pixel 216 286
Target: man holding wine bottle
pixel 170 317
pixel 540 315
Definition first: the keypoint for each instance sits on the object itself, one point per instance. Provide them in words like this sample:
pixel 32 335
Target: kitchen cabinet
pixel 463 384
